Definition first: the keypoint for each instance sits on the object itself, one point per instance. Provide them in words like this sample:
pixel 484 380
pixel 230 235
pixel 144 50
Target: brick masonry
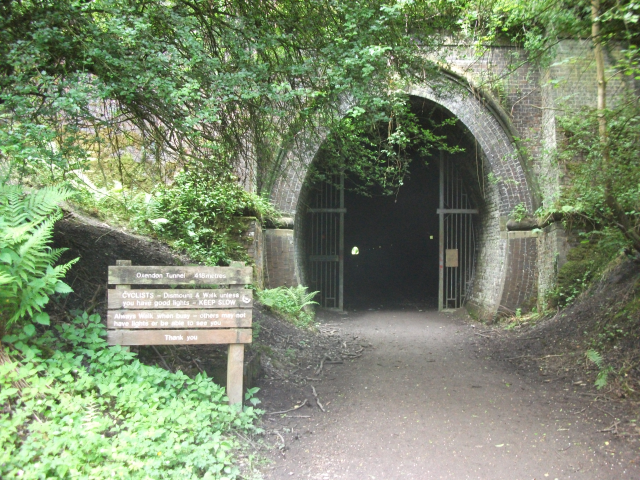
pixel 512 109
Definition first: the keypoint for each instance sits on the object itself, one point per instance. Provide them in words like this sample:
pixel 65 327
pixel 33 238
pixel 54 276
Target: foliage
pixel 200 211
pixel 85 84
pixel 601 145
pixel 91 411
pixel 585 200
pixel 519 212
pixel 290 302
pixel 27 274
pixel 602 378
pixel 375 152
pixel 585 263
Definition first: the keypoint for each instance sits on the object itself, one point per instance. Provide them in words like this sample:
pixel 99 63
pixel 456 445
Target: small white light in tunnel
pixel 355 251
pixel 430 237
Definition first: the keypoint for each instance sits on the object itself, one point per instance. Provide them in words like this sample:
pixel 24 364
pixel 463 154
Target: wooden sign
pixel 179 298
pixel 179 337
pixel 452 257
pixel 121 275
pixel 183 316
pixel 152 319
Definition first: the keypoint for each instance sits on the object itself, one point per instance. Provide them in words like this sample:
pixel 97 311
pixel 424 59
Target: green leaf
pixel 29 329
pixel 62 287
pixel 42 318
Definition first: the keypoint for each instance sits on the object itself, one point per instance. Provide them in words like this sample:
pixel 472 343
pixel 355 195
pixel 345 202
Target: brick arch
pixel 506 273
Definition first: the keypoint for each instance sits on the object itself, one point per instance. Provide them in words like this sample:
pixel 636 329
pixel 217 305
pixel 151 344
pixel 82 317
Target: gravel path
pixel 425 402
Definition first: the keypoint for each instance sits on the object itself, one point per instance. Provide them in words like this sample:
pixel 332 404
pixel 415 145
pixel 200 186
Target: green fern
pixel 290 302
pixel 27 274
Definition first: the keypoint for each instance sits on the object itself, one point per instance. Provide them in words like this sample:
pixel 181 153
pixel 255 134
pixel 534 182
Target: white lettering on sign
pixel 229 295
pixel 136 323
pixel 209 315
pixel 206 303
pixel 209 295
pixel 164 303
pixel 125 316
pixel 148 275
pixel 121 324
pixel 173 338
pixel 164 315
pixel 209 275
pixel 191 338
pixel 141 303
pixel 227 302
pixel 180 303
pixel 175 275
pixel 177 295
pixel 134 294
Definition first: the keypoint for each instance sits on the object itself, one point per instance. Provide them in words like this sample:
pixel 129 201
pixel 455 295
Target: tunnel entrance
pixel 416 247
pixel 397 241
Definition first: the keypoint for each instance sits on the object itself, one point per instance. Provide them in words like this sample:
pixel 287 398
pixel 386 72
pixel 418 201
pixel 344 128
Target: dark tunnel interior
pixel 397 239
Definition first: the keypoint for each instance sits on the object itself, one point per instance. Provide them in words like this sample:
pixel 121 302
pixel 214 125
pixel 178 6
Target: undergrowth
pixel 72 407
pixel 291 303
pixel 202 212
pixel 584 266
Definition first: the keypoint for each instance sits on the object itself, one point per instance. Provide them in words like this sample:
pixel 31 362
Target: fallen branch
pixel 290 410
pixel 198 365
pixel 481 334
pixel 319 369
pixel 281 447
pixel 613 428
pixel 161 357
pixel 317 399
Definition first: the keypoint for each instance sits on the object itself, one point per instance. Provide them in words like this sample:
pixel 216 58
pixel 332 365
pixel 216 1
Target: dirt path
pixel 424 402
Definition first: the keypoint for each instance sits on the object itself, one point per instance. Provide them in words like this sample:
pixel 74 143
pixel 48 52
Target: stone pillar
pixel 280 268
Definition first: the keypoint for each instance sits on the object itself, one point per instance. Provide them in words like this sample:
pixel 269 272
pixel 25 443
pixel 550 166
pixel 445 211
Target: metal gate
pixel 457 238
pixel 326 242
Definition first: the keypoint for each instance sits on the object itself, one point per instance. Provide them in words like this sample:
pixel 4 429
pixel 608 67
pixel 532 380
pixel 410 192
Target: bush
pixel 200 213
pixel 92 411
pixel 290 303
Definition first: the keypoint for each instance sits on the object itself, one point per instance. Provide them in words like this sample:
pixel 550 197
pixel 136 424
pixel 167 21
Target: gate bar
pixel 441 235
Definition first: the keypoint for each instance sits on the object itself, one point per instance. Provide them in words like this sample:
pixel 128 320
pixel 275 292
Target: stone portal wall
pixel 499 104
pixel 280 265
pixel 254 242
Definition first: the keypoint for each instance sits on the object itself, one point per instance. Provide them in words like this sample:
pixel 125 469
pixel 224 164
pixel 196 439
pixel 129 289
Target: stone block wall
pixel 280 265
pixel 522 271
pixel 553 245
pixel 254 242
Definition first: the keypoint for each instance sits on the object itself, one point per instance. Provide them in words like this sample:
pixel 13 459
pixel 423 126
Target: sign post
pixel 183 316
